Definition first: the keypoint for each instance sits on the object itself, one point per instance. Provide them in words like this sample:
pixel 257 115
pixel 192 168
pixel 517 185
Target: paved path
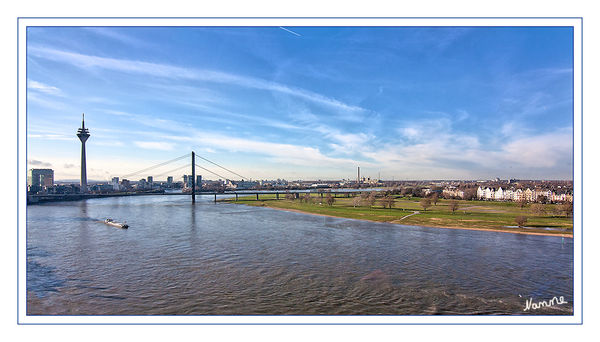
pixel 414 213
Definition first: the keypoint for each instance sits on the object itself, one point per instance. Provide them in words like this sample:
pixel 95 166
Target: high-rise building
pixel 169 181
pixel 187 181
pixel 37 179
pixel 115 183
pixel 199 182
pixel 125 184
pixel 83 134
pixel 150 182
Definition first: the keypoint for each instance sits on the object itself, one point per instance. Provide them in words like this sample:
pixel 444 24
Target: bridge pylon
pixel 193 177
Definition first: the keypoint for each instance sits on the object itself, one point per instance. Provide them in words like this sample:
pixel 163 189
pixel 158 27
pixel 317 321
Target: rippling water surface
pixel 225 259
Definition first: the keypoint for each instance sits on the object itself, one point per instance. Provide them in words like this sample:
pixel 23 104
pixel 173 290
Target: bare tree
pixel 425 203
pixel 371 199
pixel 470 194
pixel 307 198
pixel 405 191
pixel 566 208
pixel 435 198
pixel 556 210
pixel 538 209
pixel 521 220
pixel 387 201
pixel 522 203
pixel 356 201
pixel 289 196
pixel 329 199
pixel 364 196
pixel 453 205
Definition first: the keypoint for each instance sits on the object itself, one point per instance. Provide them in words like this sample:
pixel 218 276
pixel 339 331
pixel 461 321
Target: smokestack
pixel 358 179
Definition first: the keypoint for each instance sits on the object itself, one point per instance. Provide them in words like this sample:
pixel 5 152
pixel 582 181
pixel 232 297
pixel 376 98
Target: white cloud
pixel 33 162
pixel 50 137
pixel 277 152
pixel 542 151
pixel 410 132
pixel 44 88
pixel 347 143
pixel 425 130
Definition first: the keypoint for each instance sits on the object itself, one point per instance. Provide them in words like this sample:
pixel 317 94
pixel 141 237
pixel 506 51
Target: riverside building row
pixel 529 195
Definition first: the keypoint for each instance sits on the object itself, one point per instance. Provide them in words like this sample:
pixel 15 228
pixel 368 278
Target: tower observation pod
pixel 83 134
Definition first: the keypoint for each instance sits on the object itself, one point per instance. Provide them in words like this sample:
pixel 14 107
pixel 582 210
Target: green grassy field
pixel 470 214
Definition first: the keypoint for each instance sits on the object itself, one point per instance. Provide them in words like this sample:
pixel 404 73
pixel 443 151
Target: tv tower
pixel 83 134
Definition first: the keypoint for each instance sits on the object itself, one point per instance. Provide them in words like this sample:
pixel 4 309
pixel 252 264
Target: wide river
pixel 226 259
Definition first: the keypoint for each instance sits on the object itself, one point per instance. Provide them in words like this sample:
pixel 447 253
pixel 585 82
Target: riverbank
pixel 470 215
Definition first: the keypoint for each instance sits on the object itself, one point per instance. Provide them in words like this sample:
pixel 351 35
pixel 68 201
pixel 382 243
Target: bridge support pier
pixel 215 197
pixel 277 195
pixel 257 196
pixel 236 197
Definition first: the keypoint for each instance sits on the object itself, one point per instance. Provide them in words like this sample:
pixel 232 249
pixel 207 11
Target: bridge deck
pixel 74 197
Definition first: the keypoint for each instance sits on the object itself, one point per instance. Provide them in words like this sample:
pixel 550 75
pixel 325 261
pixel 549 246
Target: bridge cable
pixel 170 171
pixel 155 166
pixel 224 168
pixel 212 172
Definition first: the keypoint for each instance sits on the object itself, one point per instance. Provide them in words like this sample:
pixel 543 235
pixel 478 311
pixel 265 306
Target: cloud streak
pixel 117 36
pixel 44 88
pixel 174 72
pixel 290 31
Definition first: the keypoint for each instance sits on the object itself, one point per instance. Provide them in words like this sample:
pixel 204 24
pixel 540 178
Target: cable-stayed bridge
pixel 190 165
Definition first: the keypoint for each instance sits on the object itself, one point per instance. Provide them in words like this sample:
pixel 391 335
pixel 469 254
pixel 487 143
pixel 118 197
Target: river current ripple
pixel 225 259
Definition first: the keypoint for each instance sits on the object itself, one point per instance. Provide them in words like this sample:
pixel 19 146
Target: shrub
pixel 453 205
pixel 306 198
pixel 521 220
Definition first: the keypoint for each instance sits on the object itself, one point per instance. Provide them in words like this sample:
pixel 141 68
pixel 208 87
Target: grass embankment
pixel 469 215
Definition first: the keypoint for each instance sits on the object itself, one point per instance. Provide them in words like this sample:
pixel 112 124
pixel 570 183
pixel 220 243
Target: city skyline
pixel 305 102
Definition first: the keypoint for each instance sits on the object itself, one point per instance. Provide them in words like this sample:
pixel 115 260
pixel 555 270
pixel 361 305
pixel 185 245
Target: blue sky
pixel 304 102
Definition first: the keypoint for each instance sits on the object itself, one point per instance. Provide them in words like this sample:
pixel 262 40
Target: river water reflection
pixel 222 259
